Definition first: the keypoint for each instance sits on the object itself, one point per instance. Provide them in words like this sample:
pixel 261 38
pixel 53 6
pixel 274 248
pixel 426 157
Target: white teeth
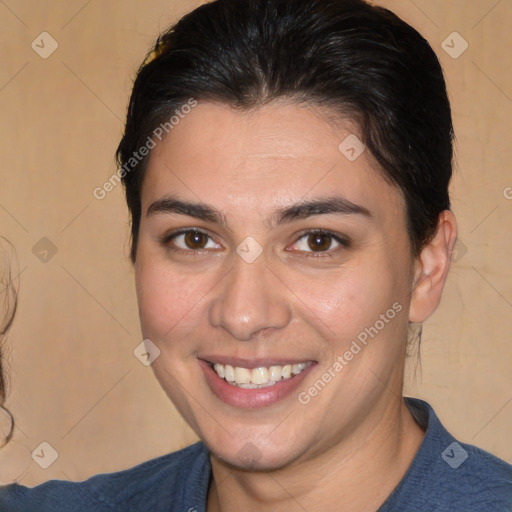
pixel 257 377
pixel 275 373
pixel 242 375
pixel 255 386
pixel 220 370
pixel 297 368
pixel 229 373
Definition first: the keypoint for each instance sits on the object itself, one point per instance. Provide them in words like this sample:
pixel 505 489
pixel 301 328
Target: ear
pixel 431 269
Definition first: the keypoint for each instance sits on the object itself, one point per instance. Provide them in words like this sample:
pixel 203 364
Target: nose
pixel 250 300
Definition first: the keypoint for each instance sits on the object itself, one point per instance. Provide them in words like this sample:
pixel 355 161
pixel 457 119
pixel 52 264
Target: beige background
pixel 74 380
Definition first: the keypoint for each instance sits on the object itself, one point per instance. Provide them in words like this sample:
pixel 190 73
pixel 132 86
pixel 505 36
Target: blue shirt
pixel 445 476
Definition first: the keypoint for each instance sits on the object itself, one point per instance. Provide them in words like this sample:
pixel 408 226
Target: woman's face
pixel 269 252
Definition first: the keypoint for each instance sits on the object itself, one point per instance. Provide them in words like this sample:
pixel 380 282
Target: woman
pixel 286 166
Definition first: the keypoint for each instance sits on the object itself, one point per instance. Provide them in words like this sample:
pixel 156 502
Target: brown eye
pixel 191 240
pixel 195 240
pixel 319 242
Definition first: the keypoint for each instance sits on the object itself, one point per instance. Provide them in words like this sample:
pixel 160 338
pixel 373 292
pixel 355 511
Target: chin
pixel 249 456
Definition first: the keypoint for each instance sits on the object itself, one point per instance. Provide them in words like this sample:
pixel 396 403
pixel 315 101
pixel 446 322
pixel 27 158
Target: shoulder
pixel 450 475
pixel 473 478
pixel 164 482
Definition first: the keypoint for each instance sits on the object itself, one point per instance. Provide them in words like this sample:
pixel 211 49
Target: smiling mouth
pixel 256 378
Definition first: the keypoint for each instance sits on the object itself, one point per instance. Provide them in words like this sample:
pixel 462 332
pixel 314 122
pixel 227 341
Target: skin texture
pixel 355 439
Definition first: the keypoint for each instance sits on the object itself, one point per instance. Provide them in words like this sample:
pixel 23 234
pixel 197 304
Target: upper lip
pixel 253 363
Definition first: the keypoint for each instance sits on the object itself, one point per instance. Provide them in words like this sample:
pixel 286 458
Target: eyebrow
pixel 169 204
pixel 323 206
pixel 302 210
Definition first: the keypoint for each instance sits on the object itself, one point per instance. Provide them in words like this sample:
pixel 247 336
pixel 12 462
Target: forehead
pixel 272 156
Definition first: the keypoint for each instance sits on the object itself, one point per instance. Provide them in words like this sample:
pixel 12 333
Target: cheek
pixel 168 300
pixel 344 303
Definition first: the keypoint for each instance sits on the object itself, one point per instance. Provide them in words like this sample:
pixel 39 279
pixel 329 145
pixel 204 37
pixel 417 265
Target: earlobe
pixel 431 269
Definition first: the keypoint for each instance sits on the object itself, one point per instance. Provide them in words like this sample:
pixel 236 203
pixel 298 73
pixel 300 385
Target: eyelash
pixel 167 240
pixel 342 241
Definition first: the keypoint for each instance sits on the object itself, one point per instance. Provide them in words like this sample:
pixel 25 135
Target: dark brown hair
pixel 346 55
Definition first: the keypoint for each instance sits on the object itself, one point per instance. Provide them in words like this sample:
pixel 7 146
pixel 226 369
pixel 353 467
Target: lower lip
pixel 252 398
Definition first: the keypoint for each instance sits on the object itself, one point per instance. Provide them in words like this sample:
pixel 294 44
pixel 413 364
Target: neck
pixel 359 471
